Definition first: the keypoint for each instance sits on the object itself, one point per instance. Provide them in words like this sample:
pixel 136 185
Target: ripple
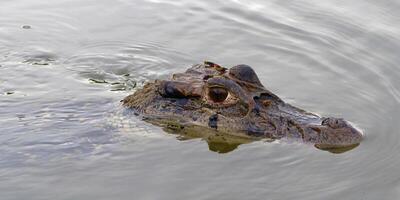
pixel 120 63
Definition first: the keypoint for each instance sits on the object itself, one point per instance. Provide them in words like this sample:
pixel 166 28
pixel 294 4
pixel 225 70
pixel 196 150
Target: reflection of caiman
pixel 233 103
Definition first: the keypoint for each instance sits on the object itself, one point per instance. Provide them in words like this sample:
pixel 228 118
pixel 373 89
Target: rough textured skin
pixel 196 98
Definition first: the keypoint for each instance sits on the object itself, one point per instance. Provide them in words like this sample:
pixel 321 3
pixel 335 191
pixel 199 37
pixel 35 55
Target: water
pixel 65 65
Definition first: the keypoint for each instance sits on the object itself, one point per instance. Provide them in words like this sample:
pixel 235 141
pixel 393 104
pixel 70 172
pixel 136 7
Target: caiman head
pixel 234 102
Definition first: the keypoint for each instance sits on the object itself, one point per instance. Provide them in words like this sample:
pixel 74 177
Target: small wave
pixel 118 63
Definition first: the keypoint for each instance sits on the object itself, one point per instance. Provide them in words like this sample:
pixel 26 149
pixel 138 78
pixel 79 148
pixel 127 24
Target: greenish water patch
pixel 97 81
pixel 120 83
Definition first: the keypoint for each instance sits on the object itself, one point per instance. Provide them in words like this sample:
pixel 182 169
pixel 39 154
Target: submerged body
pixel 234 102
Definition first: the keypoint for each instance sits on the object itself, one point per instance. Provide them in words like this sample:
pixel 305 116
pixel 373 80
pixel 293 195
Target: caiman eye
pixel 217 94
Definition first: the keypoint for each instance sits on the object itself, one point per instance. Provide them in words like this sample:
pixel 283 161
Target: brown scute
pixel 215 66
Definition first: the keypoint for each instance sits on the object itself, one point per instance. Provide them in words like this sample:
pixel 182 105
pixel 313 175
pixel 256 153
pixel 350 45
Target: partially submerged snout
pixel 327 133
pixel 336 133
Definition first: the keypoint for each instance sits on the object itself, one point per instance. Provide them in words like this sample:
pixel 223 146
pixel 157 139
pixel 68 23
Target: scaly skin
pixel 249 110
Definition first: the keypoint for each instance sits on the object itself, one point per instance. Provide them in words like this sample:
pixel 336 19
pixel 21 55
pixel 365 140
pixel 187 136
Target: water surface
pixel 65 65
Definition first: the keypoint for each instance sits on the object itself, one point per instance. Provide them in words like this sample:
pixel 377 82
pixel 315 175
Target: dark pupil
pixel 217 94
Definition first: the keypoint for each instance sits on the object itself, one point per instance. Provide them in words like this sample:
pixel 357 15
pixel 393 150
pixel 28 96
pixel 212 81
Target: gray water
pixel 66 64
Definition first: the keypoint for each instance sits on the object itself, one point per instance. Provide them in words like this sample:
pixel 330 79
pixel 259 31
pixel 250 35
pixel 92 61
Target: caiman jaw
pixel 293 123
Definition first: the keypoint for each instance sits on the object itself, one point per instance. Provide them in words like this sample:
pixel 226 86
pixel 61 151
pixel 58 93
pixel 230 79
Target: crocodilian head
pixel 233 102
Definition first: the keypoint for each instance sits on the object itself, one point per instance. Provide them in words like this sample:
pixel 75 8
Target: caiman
pixel 233 102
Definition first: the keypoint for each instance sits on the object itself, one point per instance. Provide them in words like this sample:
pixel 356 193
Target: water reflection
pixel 217 141
pixel 224 143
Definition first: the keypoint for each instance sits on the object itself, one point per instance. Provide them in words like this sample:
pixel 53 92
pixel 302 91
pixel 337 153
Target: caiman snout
pixel 336 133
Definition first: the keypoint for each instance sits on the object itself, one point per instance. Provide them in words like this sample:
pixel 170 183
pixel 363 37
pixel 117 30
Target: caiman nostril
pixel 334 122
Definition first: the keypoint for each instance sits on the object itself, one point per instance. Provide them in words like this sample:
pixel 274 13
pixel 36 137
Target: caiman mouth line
pixel 233 101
